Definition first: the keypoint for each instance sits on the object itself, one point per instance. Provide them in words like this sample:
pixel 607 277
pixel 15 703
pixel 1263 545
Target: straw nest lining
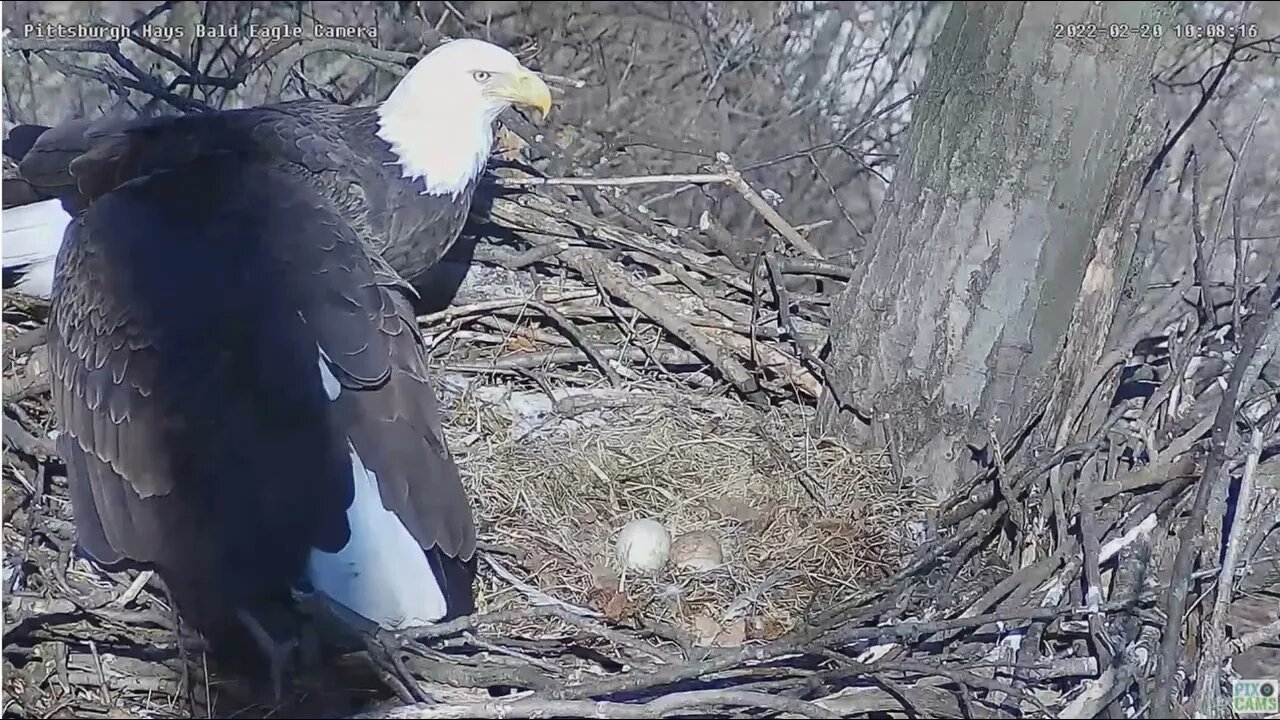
pixel 802 523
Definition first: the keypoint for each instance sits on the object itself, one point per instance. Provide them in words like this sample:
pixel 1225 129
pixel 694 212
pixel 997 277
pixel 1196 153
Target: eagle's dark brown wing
pixel 194 303
pixel 81 159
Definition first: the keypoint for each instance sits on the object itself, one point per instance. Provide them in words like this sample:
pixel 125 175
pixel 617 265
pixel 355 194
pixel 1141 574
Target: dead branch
pixel 697 178
pixel 1260 336
pixel 681 703
pixel 1207 698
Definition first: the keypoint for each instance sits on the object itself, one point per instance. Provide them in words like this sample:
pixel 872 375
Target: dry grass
pixel 556 491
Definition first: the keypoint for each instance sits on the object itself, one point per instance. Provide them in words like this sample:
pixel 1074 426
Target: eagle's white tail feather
pixel 382 574
pixel 32 235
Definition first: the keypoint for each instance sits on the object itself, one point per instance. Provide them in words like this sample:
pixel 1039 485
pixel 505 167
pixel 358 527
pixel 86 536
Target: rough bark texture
pixel 1000 254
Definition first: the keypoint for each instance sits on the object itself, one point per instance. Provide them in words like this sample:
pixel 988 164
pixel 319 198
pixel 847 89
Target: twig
pixel 659 311
pixel 389 60
pixel 768 357
pixel 965 678
pixel 1232 191
pixel 802 266
pixel 456 626
pixel 679 703
pixel 534 594
pixel 511 329
pixel 1169 144
pixel 766 211
pixel 1208 698
pixel 1260 326
pixel 630 181
pixel 730 177
pixel 26 342
pixel 671 675
pixel 28 385
pixel 1267 633
pixel 139 81
pixel 823 371
pixel 807 482
pixel 1016 512
pixel 457 311
pixel 1095 696
pixel 1200 266
pixel 102 675
pixel 562 80
pixel 571 332
pixel 544 358
pixel 134 589
pixel 150 15
pixel 911 629
pixel 618 638
pixel 17 437
pixel 547 668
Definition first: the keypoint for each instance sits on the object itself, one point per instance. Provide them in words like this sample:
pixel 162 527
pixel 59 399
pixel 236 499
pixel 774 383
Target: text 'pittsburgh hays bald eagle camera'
pixel 239 380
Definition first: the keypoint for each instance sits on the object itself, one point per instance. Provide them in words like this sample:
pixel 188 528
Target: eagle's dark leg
pixel 183 656
pixel 309 647
pixel 279 654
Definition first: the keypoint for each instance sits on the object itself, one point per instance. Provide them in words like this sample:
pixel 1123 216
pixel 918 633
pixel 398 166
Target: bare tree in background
pixel 808 98
pixel 998 261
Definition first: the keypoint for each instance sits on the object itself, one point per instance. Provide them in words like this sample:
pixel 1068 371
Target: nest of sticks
pixel 598 371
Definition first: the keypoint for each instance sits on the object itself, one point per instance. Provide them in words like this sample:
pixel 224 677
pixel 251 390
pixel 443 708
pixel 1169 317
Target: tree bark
pixel 1000 254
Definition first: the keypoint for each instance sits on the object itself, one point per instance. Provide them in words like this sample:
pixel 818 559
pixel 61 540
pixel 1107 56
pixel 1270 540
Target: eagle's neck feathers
pixel 445 148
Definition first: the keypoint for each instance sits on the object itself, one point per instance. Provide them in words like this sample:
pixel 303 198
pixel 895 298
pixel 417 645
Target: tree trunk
pixel 1000 254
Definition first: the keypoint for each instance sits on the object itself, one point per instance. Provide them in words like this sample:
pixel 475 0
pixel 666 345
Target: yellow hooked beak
pixel 523 89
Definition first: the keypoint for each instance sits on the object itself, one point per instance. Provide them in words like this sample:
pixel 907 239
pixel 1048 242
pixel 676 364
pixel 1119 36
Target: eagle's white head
pixel 439 119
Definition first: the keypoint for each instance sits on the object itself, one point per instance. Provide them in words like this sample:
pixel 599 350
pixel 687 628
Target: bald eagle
pixel 238 377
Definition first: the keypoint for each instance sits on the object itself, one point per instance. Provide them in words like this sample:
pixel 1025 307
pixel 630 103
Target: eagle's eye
pixel 480 76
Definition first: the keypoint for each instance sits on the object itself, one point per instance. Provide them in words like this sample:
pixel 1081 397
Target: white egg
pixel 643 545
